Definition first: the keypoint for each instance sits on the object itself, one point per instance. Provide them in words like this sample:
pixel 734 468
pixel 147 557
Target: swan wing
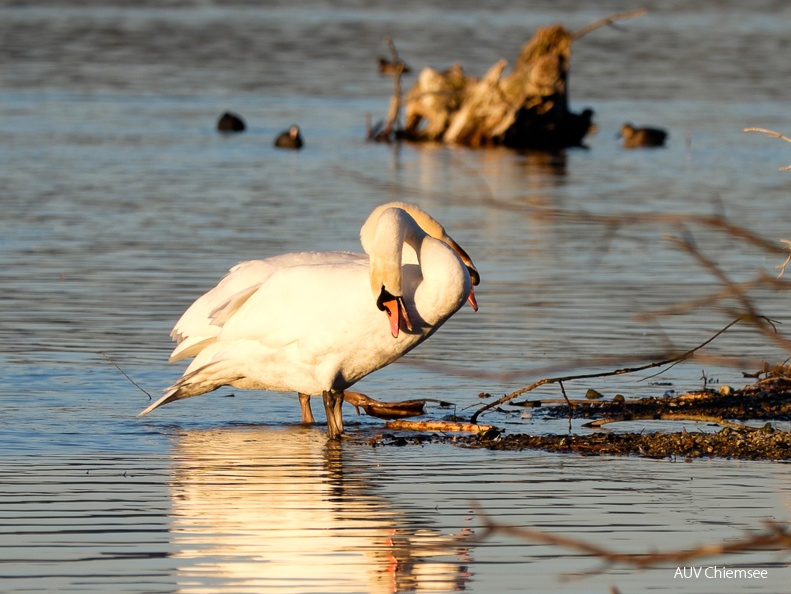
pixel 301 304
pixel 202 321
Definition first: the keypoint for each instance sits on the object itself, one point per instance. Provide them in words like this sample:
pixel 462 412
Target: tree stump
pixel 527 108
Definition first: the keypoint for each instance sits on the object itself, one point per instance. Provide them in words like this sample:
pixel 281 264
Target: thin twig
pixel 773 134
pixel 395 103
pixel 610 20
pixel 134 383
pixel 622 371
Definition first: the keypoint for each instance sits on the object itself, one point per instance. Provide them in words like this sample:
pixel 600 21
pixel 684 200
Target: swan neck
pixel 394 227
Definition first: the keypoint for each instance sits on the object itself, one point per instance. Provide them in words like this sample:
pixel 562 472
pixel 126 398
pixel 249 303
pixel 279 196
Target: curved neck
pixel 443 284
pixel 384 245
pixel 434 285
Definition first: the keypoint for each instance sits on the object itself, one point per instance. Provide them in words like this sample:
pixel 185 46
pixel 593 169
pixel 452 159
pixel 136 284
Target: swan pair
pixel 317 322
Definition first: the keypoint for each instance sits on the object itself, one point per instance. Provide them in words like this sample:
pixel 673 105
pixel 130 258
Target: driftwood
pixel 526 108
pixel 389 410
pixel 442 426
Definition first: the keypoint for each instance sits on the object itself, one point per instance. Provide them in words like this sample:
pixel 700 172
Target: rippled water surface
pixel 121 204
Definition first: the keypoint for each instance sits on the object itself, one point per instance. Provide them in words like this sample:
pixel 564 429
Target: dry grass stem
pixel 773 134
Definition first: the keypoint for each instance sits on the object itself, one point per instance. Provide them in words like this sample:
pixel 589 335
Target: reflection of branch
pixel 610 20
pixel 775 535
pixel 669 417
pixel 554 380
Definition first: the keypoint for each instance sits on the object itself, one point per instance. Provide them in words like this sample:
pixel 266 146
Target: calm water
pixel 121 204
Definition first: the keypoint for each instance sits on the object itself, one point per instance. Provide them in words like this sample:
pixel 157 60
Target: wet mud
pixel 767 400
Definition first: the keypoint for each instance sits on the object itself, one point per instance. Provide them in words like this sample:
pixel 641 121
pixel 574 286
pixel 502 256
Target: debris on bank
pixel 767 401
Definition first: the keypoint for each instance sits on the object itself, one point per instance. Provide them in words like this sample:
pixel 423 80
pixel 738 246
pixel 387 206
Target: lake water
pixel 121 204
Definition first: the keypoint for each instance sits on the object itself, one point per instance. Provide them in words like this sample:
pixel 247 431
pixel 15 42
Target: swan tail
pixel 169 396
pixel 202 380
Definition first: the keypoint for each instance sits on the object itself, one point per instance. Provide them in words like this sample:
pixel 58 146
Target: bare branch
pixel 773 134
pixel 553 380
pixel 782 267
pixel 610 20
pixel 750 314
pixel 774 536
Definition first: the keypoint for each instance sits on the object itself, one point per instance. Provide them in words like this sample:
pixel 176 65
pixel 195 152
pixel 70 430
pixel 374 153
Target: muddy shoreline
pixel 768 400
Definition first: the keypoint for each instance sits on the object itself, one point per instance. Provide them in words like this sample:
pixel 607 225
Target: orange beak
pixel 471 299
pixel 396 312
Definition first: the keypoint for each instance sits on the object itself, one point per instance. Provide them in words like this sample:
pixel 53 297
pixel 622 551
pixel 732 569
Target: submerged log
pixel 385 410
pixel 527 108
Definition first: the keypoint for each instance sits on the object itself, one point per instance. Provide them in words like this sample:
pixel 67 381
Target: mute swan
pixel 313 322
pixel 201 323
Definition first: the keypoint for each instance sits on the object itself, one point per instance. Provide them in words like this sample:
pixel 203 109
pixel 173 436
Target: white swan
pixel 201 323
pixel 312 322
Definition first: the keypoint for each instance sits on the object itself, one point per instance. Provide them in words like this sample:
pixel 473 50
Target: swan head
pixel 431 227
pixel 384 237
pixel 384 241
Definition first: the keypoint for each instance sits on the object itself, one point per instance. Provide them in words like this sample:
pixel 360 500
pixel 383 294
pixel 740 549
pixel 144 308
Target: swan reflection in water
pixel 265 508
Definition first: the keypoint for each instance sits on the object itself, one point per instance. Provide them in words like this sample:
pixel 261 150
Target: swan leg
pixel 338 412
pixel 333 403
pixel 304 405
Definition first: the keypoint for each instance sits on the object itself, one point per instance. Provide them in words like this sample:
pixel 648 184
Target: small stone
pixel 619 399
pixel 725 390
pixel 592 394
